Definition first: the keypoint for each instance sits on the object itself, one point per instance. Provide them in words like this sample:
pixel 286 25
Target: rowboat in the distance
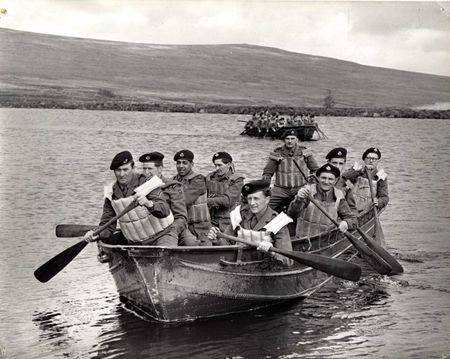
pixel 303 132
pixel 188 283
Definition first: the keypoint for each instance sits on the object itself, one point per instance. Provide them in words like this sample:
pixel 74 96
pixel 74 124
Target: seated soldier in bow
pixel 150 223
pixel 257 222
pixel 358 176
pixel 310 220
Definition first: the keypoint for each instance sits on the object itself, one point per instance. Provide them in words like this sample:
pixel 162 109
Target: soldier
pixel 310 220
pixel 150 223
pixel 194 188
pixel 358 177
pixel 288 178
pixel 338 157
pixel 224 187
pixel 252 221
pixel 152 165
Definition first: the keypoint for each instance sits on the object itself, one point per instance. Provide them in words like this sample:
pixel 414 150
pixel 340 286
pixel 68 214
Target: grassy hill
pixel 38 67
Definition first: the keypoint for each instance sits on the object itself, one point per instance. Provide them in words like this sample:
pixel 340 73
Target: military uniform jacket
pixel 160 207
pixel 173 192
pixel 381 191
pixel 194 188
pixel 224 193
pixel 298 205
pixel 345 187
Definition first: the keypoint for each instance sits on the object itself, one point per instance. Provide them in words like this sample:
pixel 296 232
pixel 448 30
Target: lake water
pixel 54 164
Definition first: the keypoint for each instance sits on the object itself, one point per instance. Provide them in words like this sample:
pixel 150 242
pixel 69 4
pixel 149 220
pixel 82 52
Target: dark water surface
pixel 54 164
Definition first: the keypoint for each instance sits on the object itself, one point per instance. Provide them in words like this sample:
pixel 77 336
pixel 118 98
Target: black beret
pixel 330 169
pixel 183 155
pixel 155 157
pixel 224 156
pixel 371 150
pixel 254 186
pixel 338 152
pixel 288 133
pixel 120 159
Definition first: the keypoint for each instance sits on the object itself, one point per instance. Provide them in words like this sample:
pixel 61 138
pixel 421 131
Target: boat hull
pixel 304 132
pixel 187 283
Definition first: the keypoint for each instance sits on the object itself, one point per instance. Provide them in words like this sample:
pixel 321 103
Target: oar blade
pixel 333 266
pixel 375 261
pixel 378 231
pixel 56 264
pixel 383 253
pixel 72 230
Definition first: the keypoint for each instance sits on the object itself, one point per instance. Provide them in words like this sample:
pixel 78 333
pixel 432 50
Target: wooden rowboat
pixel 187 283
pixel 304 132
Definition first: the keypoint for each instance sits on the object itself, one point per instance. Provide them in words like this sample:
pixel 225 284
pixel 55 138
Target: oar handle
pixel 241 240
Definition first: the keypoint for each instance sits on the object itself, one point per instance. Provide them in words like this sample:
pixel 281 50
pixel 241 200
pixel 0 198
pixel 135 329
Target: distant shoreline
pixel 388 112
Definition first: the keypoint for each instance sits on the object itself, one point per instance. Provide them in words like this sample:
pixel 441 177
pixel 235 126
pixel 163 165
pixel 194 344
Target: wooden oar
pixel 337 267
pixel 375 261
pixel 72 230
pixel 383 253
pixel 378 232
pixel 56 264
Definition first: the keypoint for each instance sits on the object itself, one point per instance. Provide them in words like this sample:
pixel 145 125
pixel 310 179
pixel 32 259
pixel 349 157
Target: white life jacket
pixel 139 224
pixel 198 212
pixel 287 174
pixel 361 190
pixel 274 226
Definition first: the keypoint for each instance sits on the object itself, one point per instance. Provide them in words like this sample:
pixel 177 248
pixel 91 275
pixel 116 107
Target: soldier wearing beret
pixel 150 223
pixel 224 188
pixel 310 220
pixel 288 178
pixel 152 165
pixel 338 157
pixel 254 221
pixel 194 188
pixel 357 175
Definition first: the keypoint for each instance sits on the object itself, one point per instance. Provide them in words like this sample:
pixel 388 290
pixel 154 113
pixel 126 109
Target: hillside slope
pixel 46 66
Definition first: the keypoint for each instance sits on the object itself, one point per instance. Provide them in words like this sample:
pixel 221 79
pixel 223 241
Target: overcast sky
pixel 411 36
